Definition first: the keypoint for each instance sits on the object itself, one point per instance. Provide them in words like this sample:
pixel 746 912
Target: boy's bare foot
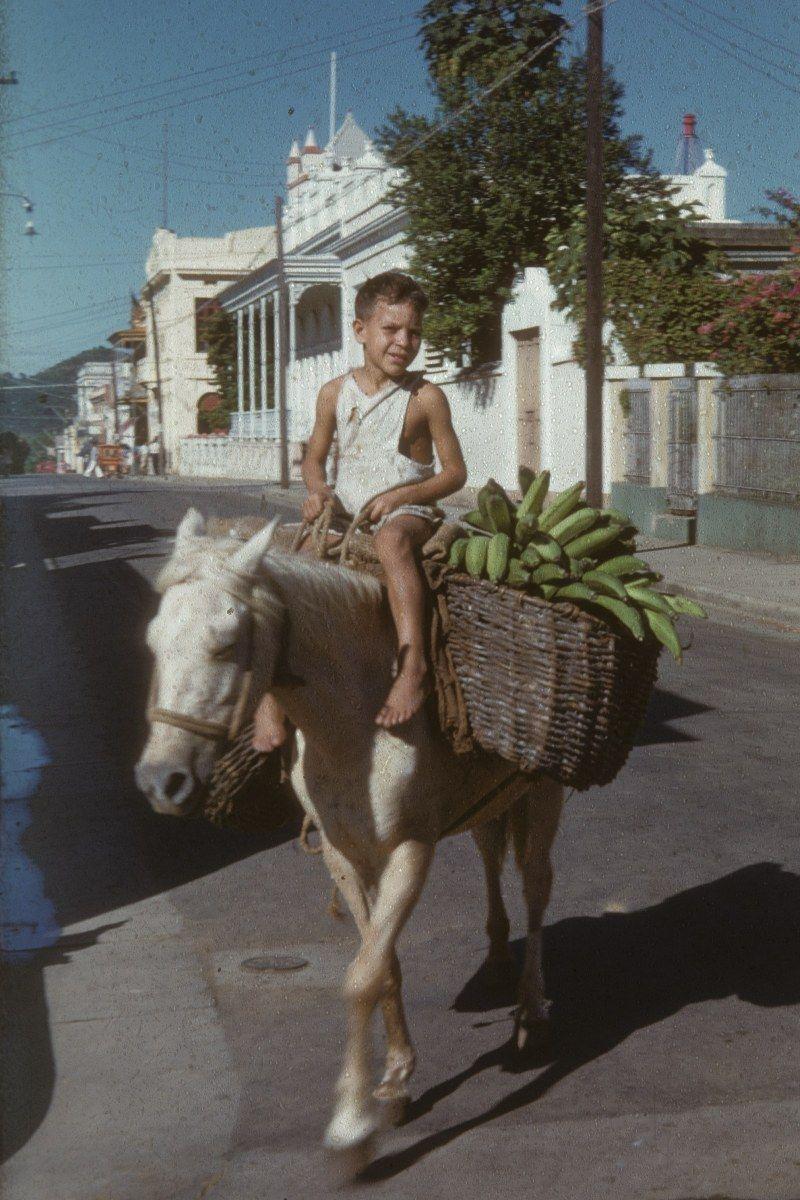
pixel 269 726
pixel 408 692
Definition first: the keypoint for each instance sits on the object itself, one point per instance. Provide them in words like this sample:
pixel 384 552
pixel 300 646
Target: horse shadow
pixel 613 975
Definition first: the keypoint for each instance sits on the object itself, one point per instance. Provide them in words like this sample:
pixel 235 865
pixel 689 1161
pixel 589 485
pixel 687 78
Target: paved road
pixel 144 1063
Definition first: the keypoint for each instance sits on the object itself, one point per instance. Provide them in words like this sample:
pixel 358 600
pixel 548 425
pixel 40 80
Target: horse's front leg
pixel 355 1118
pixel 400 1056
pixel 534 824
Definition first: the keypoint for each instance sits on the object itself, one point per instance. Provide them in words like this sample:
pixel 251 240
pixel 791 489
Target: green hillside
pixel 20 409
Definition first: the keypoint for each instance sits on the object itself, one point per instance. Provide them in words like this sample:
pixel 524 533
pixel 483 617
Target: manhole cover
pixel 275 962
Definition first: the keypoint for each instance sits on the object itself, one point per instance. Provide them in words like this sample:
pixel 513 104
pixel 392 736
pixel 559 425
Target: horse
pixel 321 638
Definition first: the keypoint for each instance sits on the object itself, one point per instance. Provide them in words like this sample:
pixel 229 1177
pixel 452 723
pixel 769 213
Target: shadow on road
pixel 664 708
pixel 76 669
pixel 612 975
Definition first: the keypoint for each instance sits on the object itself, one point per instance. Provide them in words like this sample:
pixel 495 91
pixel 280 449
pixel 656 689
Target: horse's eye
pixel 224 653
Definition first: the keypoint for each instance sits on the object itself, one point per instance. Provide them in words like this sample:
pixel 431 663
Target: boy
pixel 388 423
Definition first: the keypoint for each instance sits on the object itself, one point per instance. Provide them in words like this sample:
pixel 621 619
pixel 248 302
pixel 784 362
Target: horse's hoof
pixel 348 1162
pixel 532 1036
pixel 394 1102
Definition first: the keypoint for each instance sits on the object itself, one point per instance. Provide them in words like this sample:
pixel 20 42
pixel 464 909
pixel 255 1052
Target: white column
pixel 276 370
pixel 251 357
pixel 240 361
pixel 292 327
pixel 263 363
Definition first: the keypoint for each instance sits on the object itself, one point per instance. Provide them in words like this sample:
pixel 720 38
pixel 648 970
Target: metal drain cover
pixel 275 962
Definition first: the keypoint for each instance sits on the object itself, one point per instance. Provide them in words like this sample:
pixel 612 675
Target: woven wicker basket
pixel 245 791
pixel 547 686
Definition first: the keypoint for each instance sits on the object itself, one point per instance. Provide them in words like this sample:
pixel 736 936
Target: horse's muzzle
pixel 171 790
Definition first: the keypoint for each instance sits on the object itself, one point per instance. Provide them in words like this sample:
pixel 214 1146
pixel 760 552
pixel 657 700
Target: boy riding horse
pixel 387 422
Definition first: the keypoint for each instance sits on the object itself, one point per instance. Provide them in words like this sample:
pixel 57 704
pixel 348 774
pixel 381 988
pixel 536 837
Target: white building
pixel 340 229
pixel 182 273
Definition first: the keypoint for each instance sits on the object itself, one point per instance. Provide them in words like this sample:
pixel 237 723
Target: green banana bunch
pixel 534 496
pixel 562 507
pixel 498 557
pixel 568 552
pixel 476 555
pixel 498 511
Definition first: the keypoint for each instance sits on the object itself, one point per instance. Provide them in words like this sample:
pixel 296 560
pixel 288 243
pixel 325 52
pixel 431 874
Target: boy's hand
pixel 314 503
pixel 381 506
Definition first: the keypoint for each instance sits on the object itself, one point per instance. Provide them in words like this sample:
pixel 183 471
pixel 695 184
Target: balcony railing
pixel 258 424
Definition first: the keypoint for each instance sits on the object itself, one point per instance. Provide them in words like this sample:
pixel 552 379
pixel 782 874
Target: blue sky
pixel 92 65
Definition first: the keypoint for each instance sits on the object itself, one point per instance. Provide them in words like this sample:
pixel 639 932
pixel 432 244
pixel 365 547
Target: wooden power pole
pixel 282 348
pixel 593 329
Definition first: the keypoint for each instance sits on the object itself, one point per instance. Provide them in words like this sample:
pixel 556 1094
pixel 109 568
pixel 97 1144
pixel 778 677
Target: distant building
pixel 182 273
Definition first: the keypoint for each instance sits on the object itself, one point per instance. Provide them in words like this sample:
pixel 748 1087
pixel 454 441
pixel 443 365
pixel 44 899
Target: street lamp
pixel 27 206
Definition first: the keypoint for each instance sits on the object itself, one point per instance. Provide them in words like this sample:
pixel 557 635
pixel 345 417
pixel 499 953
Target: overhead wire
pixel 336 42
pixel 713 39
pixel 208 96
pixel 284 61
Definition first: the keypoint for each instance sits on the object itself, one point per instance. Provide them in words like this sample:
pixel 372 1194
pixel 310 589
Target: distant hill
pixel 20 410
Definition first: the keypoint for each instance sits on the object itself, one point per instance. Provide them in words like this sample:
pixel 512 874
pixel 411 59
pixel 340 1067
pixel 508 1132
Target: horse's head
pixel 203 642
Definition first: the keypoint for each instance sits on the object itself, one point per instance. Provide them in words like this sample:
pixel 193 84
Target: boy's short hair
pixel 394 287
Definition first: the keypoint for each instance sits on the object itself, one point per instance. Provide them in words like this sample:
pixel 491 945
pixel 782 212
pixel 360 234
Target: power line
pixel 148 99
pixel 341 34
pixel 208 96
pixel 705 34
pixel 712 12
pixel 770 62
pixel 98 304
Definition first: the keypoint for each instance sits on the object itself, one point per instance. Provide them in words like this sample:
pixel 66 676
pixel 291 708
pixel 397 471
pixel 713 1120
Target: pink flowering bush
pixel 757 327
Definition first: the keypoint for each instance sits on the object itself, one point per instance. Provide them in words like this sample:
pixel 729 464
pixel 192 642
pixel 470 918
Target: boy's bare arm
pixel 314 463
pixel 452 474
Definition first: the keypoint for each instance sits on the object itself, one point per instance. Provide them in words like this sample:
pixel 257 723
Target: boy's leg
pixel 396 544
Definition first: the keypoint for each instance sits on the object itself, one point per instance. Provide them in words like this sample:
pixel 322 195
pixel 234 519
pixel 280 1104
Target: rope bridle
pixel 238 587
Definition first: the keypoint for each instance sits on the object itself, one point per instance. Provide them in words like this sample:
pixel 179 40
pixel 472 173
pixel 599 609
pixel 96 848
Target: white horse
pixel 321 638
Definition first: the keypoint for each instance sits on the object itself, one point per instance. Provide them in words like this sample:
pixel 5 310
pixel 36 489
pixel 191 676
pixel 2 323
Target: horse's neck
pixel 339 647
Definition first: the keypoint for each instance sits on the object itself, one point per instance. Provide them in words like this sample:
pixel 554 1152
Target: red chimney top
pixel 689 123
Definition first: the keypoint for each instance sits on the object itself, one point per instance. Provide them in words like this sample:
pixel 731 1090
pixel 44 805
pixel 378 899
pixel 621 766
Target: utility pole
pixel 114 393
pixel 332 113
pixel 165 178
pixel 159 403
pixel 281 350
pixel 593 328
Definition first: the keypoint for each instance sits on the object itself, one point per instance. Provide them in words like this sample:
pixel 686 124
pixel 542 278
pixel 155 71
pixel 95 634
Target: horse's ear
pixel 192 525
pixel 246 559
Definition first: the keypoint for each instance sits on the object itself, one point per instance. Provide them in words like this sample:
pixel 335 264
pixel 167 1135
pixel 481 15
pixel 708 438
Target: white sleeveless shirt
pixel 369 430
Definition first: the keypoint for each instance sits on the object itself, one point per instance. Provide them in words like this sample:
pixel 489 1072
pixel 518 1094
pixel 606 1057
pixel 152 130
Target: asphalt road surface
pixel 142 1062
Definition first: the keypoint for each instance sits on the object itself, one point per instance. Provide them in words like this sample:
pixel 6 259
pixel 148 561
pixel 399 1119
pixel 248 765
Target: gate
pixel 682 475
pixel 758 437
pixel 637 431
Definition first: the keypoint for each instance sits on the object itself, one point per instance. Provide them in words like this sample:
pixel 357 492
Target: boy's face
pixel 391 337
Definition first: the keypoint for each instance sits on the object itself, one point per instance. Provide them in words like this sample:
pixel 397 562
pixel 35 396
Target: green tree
pixel 499 166
pixel 219 334
pixel 13 453
pixel 660 278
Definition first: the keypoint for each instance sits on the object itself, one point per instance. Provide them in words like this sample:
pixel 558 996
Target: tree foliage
pixel 660 279
pixel 218 330
pixel 756 328
pixel 484 185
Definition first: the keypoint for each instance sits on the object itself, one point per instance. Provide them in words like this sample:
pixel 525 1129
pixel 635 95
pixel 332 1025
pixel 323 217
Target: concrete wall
pixel 740 524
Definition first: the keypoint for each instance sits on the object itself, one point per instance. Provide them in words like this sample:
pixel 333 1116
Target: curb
pixel 770 616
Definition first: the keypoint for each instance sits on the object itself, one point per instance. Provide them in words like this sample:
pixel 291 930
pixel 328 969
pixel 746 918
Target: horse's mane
pixel 325 588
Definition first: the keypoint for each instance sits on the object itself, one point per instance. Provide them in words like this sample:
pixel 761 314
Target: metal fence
pixel 637 430
pixel 682 463
pixel 758 437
